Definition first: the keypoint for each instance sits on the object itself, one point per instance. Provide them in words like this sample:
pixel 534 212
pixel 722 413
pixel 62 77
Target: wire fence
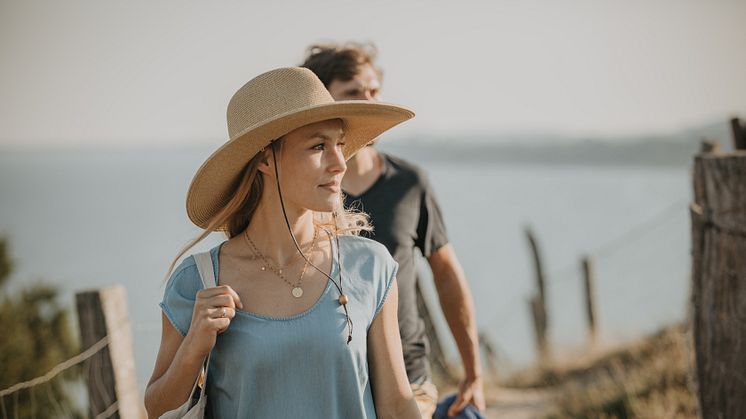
pixel 30 385
pixel 507 315
pixel 655 231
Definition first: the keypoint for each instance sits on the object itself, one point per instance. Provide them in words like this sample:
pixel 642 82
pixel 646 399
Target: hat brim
pixel 218 177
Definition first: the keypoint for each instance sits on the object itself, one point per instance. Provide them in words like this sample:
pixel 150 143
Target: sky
pixel 141 73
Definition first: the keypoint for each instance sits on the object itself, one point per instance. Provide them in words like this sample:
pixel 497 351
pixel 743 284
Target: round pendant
pixel 297 292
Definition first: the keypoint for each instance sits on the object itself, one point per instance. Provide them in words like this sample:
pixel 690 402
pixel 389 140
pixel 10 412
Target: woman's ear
pixel 265 164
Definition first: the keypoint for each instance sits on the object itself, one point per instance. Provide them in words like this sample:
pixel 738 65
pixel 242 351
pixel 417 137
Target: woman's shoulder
pixel 184 282
pixel 371 270
pixel 185 277
pixel 367 257
pixel 181 292
pixel 362 246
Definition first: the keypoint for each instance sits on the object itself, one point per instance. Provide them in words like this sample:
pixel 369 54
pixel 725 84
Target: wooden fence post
pixel 739 134
pixel 537 303
pixel 709 146
pixel 110 374
pixel 718 216
pixel 589 301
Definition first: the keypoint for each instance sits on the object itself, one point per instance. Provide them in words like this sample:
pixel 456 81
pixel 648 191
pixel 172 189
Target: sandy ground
pixel 507 403
pixel 515 403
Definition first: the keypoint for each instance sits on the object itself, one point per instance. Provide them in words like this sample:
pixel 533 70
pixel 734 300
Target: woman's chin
pixel 324 206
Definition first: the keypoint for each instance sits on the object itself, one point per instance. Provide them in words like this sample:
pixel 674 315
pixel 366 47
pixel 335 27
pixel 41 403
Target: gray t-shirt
pixel 298 366
pixel 405 217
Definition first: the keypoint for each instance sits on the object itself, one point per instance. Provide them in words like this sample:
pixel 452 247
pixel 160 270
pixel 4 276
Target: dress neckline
pixel 333 272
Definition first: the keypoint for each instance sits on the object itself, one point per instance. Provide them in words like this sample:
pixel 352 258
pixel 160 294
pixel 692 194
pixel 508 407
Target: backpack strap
pixel 206 269
pixel 207 275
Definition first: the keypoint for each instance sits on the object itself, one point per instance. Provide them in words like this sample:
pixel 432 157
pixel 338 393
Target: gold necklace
pixel 296 290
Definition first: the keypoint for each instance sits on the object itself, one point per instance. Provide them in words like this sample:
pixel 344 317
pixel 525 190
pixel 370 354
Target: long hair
pixel 236 215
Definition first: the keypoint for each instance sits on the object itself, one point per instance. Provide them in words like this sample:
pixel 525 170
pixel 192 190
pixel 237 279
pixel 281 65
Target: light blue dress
pixel 298 366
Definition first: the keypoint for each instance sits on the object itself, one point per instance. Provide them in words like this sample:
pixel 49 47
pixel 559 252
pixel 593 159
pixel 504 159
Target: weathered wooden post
pixel 709 146
pixel 537 303
pixel 589 301
pixel 110 374
pixel 739 134
pixel 718 216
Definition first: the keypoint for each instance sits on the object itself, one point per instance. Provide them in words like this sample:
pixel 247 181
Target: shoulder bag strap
pixel 207 275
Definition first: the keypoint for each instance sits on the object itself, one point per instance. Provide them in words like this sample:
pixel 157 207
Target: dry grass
pixel 647 379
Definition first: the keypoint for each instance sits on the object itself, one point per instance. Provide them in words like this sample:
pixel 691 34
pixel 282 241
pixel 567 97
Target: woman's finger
pixel 221 313
pixel 222 300
pixel 221 290
pixel 236 299
pixel 220 324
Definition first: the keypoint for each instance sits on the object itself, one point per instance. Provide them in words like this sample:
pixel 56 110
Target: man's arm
pixel 458 308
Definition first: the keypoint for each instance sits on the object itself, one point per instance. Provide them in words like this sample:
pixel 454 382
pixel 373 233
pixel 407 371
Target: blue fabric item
pixel 297 366
pixel 469 412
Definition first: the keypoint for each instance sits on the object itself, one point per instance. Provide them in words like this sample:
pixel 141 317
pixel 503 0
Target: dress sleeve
pixel 386 281
pixel 431 230
pixel 180 294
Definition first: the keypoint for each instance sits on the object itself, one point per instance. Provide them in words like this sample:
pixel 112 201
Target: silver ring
pixel 223 313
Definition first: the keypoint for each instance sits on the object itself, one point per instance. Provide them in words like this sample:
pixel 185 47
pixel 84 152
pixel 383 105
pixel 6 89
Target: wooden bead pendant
pixel 343 299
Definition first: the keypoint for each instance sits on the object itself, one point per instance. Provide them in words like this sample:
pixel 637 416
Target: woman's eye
pixel 341 144
pixel 318 147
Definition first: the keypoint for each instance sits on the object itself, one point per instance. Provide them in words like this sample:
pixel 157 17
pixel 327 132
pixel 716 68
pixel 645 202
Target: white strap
pixel 205 268
pixel 207 275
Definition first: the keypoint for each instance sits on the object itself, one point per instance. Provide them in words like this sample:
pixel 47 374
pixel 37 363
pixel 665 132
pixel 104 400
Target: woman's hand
pixel 214 309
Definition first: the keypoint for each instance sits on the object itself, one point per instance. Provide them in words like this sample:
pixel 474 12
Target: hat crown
pixel 273 94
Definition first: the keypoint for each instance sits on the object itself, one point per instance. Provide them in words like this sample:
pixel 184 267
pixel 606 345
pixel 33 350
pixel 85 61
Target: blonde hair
pixel 236 215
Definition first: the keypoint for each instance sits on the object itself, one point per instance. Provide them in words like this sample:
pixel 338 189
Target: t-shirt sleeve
pixel 431 230
pixel 180 294
pixel 383 286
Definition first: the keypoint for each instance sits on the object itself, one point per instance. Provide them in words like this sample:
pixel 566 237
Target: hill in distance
pixel 675 150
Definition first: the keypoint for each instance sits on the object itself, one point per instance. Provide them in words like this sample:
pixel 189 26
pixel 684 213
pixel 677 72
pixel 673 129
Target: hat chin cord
pixel 342 297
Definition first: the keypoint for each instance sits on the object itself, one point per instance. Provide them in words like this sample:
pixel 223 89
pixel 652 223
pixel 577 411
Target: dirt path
pixel 507 403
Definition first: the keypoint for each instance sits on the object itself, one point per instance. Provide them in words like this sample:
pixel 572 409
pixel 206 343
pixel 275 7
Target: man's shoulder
pixel 404 168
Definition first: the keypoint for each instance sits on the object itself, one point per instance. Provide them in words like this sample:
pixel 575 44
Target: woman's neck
pixel 269 231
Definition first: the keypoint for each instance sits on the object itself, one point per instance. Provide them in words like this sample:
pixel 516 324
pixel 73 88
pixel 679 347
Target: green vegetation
pixel 36 336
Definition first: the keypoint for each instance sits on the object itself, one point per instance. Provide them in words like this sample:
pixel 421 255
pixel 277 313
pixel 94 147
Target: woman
pixel 303 320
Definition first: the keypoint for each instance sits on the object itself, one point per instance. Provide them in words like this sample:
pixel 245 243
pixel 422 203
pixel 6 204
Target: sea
pixel 87 219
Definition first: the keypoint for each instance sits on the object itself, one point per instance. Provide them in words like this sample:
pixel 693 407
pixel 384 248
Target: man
pixel 405 215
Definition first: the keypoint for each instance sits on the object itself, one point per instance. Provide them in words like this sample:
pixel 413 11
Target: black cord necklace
pixel 343 300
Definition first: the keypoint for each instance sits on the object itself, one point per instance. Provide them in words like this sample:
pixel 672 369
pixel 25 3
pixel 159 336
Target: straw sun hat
pixel 268 107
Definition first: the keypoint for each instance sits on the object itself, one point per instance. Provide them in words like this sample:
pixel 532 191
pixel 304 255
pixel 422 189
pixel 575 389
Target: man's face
pixel 364 86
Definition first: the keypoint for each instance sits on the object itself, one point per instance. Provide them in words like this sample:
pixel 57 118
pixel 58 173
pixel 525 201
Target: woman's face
pixel 311 166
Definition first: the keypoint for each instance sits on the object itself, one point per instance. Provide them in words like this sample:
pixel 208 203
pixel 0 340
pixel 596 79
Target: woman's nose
pixel 337 163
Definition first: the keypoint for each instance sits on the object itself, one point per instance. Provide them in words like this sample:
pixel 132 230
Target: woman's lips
pixel 331 186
